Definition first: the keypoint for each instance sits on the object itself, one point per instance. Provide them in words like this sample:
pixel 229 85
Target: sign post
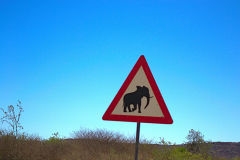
pixel 137 140
pixel 139 100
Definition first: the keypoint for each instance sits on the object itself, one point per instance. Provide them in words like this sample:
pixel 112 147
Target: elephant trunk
pixel 148 100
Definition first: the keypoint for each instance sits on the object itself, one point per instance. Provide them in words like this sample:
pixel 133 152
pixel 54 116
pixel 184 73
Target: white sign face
pixel 135 98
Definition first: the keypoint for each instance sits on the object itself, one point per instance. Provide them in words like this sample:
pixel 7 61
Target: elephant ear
pixel 145 89
pixel 139 87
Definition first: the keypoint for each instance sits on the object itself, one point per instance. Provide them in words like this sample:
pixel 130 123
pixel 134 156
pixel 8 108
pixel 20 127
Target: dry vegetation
pixel 85 145
pixel 90 145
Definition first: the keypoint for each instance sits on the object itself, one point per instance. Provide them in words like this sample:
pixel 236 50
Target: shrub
pixel 196 143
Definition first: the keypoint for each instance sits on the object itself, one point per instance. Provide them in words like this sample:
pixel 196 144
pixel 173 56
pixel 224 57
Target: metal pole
pixel 137 140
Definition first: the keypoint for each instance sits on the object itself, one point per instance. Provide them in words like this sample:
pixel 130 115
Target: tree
pixel 196 143
pixel 195 139
pixel 11 118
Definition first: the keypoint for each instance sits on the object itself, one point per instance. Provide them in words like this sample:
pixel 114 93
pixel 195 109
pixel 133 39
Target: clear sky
pixel 66 60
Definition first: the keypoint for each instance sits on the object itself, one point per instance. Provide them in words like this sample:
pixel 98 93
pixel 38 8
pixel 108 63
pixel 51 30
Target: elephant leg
pixel 129 109
pixel 125 108
pixel 139 107
pixel 135 107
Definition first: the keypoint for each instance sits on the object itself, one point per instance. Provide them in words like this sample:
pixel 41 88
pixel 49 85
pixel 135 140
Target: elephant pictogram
pixel 134 98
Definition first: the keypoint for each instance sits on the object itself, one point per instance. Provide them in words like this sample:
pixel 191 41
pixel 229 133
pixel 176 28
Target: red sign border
pixel 167 119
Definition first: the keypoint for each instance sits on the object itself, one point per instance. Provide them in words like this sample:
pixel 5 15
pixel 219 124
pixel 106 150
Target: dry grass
pixel 84 145
pixel 87 145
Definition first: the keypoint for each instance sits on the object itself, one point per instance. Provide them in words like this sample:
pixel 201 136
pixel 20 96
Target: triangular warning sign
pixel 139 99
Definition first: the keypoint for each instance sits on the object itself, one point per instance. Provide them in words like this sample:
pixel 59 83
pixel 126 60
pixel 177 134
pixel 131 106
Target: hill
pixel 226 149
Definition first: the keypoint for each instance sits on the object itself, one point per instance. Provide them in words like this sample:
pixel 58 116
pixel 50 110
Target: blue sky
pixel 66 61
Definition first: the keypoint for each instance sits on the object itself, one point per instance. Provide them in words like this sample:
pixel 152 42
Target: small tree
pixel 11 118
pixel 196 143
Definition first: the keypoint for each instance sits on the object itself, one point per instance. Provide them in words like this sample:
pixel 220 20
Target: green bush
pixel 167 151
pixel 54 138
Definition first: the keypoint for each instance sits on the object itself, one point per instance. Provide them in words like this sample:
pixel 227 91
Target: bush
pixel 196 143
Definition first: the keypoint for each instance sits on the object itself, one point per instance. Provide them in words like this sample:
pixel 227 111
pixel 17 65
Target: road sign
pixel 139 99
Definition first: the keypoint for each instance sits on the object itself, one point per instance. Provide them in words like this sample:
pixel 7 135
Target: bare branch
pixel 11 118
